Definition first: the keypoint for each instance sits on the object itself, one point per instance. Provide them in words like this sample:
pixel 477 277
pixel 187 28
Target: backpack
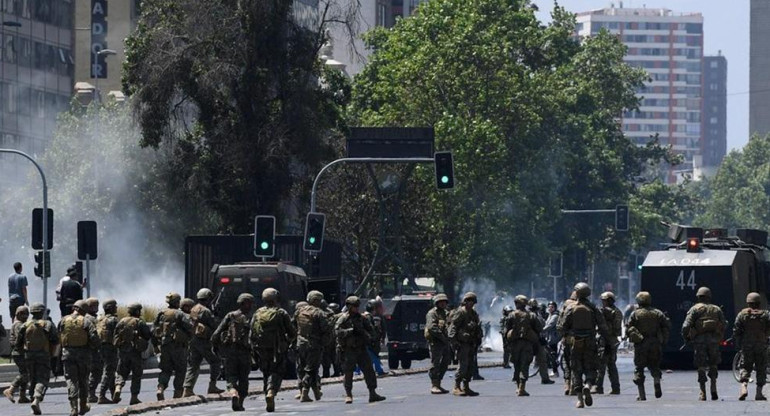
pixel 268 328
pixel 36 336
pixel 199 329
pixel 166 331
pixel 519 327
pixel 127 335
pixel 237 332
pixel 73 332
pixel 708 321
pixel 305 322
pixel 105 330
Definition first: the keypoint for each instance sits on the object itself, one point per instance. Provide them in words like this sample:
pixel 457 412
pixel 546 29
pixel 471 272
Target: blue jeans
pixel 375 360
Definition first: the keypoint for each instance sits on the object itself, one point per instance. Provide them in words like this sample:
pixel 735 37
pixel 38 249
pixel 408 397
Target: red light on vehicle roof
pixel 224 280
pixel 725 343
pixel 693 244
pixel 388 317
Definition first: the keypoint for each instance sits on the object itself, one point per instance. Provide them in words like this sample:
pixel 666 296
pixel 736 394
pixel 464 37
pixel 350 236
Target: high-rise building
pixel 669 47
pixel 36 69
pixel 759 62
pixel 714 126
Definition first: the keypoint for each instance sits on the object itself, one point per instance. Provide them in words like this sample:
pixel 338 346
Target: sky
pixel 725 28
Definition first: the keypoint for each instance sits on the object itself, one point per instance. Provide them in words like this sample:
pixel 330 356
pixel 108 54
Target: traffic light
pixel 621 218
pixel 37 228
pixel 87 241
pixel 445 175
pixel 264 236
pixel 43 265
pixel 314 231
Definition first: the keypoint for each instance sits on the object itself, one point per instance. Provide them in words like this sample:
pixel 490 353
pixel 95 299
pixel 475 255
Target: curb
pixel 210 398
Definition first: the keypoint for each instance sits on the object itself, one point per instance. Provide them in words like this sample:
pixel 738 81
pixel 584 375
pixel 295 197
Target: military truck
pixel 229 281
pixel 731 266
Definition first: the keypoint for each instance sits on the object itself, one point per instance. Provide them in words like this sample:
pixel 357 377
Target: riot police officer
pixel 704 328
pixel 648 329
pixel 752 328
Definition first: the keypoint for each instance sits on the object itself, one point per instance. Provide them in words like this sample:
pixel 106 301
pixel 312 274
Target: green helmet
pixel 703 292
pixel 93 304
pixel 204 294
pixel 110 305
pixel 134 307
pixel 608 296
pixel 643 299
pixel 520 300
pixel 315 297
pixel 269 295
pixel 38 307
pixel 186 303
pixel 440 298
pixel 752 297
pixel 22 310
pixel 582 290
pixel 246 297
pixel 470 297
pixel 300 304
pixel 173 299
pixel 353 301
pixel 81 306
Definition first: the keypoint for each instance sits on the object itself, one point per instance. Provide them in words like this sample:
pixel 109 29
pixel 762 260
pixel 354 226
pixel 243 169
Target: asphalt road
pixel 409 395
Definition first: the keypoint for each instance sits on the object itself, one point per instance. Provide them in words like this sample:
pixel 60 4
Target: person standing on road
pixel 105 327
pixel 17 353
pixel 233 334
pixel 552 335
pixel 438 341
pixel 17 289
pixel 506 351
pixel 566 345
pixel 608 360
pixel 466 334
pixel 95 370
pixel 522 332
pixel 132 336
pixel 374 315
pixel 271 335
pixel 299 364
pixel 78 340
pixel 354 332
pixel 581 322
pixel 648 329
pixel 704 328
pixel 204 324
pixel 69 291
pixel 539 347
pixel 328 362
pixel 752 328
pixel 38 337
pixel 171 331
pixel 313 332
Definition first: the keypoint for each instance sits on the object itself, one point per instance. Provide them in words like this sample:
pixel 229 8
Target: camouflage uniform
pixel 648 328
pixel 204 323
pixel 566 345
pixel 233 334
pixel 580 323
pixel 466 334
pixel 704 328
pixel 131 339
pixel 354 332
pixel 78 340
pixel 37 351
pixel 522 332
pixel 506 351
pixel 752 328
pixel 436 321
pixel 608 360
pixel 105 327
pixel 171 333
pixel 313 332
pixel 21 381
pixel 329 360
pixel 96 368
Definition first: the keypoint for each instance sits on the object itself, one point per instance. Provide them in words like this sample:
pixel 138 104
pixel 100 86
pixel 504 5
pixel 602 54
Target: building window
pixel 713 120
pixel 713 87
pixel 381 14
pixel 714 64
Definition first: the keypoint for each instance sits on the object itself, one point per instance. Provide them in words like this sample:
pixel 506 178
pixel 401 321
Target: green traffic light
pixel 264 245
pixel 445 179
pixel 639 267
pixel 312 240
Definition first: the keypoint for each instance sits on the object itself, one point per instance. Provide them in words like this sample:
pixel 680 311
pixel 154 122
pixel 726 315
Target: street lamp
pixel 103 52
pixel 17 25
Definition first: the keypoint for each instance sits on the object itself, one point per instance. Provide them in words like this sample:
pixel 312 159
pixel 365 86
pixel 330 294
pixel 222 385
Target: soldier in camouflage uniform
pixel 581 322
pixel 37 338
pixel 78 341
pixel 105 327
pixel 328 363
pixel 522 333
pixel 648 328
pixel 752 327
pixel 506 351
pixel 566 345
pixel 131 339
pixel 171 332
pixel 539 347
pixel 704 327
pixel 436 324
pixel 607 361
pixel 354 333
pixel 299 365
pixel 466 334
pixel 204 323
pixel 313 332
pixel 233 334
pixel 21 382
pixel 373 313
pixel 96 367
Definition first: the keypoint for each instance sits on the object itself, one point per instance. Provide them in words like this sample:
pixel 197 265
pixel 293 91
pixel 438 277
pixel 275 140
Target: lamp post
pixel 103 52
pixel 17 25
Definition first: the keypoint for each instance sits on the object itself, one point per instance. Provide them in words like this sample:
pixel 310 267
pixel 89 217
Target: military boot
pixel 443 390
pixel 348 396
pixel 159 394
pixel 580 403
pixel 658 389
pixel 744 391
pixel 103 399
pixel 9 394
pixel 589 401
pixel 92 397
pixel 714 395
pixel 213 389
pixel 435 389
pixel 188 392
pixel 702 395
pixel 567 387
pixel 84 407
pixel 458 391
pixel 317 393
pixel 235 400
pixel 23 399
pixel 134 400
pixel 178 394
pixel 760 396
pixel 642 395
pixel 374 397
pixel 240 404
pixel 116 394
pixel 270 401
pixel 73 407
pixel 305 395
pixel 467 389
pixel 522 392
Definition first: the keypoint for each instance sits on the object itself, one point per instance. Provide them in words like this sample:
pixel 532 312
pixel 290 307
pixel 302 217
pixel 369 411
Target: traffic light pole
pixel 45 216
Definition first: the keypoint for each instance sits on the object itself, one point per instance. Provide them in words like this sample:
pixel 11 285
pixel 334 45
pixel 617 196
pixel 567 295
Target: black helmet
pixel 507 309
pixel 334 307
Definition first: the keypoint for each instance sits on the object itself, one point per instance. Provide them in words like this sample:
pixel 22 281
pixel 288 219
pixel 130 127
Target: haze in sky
pixel 725 28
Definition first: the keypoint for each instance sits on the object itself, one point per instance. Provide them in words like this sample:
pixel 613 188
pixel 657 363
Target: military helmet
pixel 110 304
pixel 335 307
pixel 372 305
pixel 173 298
pixel 135 306
pixel 440 298
pixel 533 304
pixel 470 297
pixel 38 307
pixel 507 309
pixel 608 296
pixel 22 310
pixel 582 290
pixel 80 305
pixel 314 297
pixel 704 292
pixel 353 301
pixel 204 294
pixel 269 295
pixel 187 302
pixel 752 297
pixel 644 299
pixel 300 304
pixel 93 303
pixel 520 300
pixel 247 297
pixel 554 304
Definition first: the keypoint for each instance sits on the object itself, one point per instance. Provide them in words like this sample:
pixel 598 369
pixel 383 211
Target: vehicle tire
pixel 406 363
pixel 392 362
pixel 737 366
